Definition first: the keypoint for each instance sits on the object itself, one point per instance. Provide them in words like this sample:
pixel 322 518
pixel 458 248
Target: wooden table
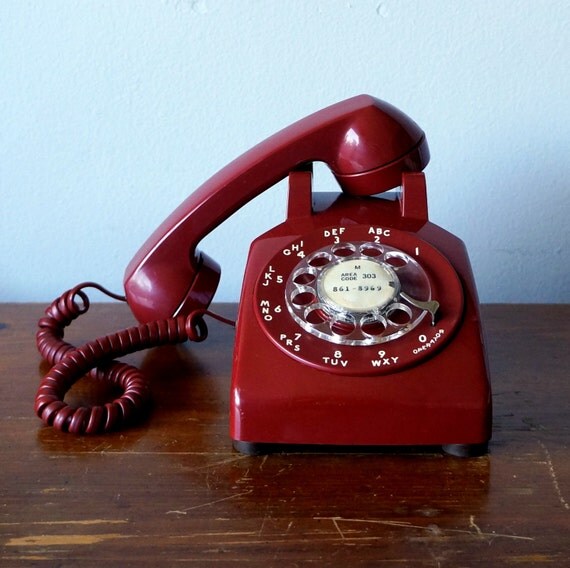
pixel 172 491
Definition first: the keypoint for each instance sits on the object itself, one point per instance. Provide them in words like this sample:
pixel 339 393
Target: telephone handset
pixel 367 144
pixel 358 323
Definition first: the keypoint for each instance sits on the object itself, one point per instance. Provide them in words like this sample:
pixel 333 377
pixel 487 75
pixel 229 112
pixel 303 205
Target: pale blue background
pixel 111 112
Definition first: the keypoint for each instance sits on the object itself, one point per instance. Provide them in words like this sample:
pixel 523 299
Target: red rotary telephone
pixel 358 323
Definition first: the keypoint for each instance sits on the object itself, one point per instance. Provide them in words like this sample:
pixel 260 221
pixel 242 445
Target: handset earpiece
pixel 367 144
pixel 380 143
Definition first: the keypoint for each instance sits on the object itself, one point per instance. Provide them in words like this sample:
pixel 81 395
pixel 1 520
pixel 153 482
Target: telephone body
pixel 358 323
pixel 396 369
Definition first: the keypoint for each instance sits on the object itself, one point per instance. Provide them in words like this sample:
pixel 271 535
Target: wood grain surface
pixel 171 491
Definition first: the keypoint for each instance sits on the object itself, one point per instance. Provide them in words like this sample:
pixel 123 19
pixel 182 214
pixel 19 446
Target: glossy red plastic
pixel 443 398
pixel 428 386
pixel 367 143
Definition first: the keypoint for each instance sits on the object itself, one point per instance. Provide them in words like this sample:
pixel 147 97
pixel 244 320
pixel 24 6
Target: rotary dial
pixel 359 293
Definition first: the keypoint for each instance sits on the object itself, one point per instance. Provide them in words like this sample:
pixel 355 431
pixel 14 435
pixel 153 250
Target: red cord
pixel 95 358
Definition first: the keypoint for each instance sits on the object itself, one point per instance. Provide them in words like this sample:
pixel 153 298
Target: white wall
pixel 113 111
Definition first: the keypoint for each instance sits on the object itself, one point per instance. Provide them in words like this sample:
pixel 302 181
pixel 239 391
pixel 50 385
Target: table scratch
pixel 208 504
pixel 553 476
pixel 474 525
pixel 407 525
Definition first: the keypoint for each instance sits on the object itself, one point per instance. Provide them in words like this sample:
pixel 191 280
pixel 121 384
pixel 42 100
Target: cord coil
pixel 96 358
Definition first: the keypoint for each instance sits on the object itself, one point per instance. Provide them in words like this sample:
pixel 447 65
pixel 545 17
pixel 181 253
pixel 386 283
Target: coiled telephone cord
pixel 95 358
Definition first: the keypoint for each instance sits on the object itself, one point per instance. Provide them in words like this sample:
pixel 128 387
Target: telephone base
pixel 264 448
